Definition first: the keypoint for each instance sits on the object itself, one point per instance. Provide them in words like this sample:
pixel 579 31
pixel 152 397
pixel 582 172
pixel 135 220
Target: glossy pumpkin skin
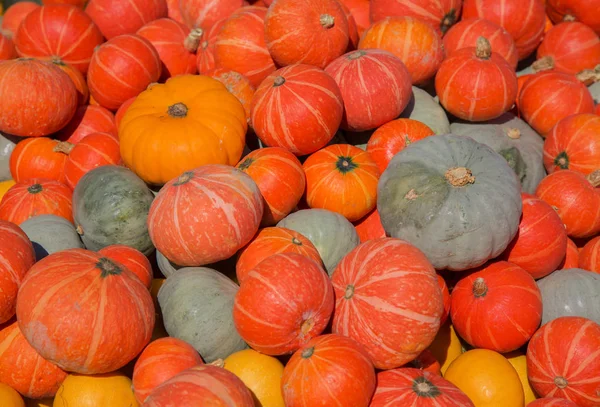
pixel 415 42
pixel 588 257
pixel 359 9
pixel 206 13
pixel 280 179
pixel 365 290
pixel 114 17
pixel 583 11
pixel 238 85
pixel 7 48
pixel 122 110
pixel 425 109
pixel 555 357
pixel 425 202
pixel 343 374
pixel 188 100
pixel 132 259
pixel 37 158
pixel 297 128
pixel 518 360
pixel 15 14
pixel 50 234
pixel 369 227
pixel 87 120
pixel 571 259
pixel 109 389
pixel 59 31
pixel 83 92
pixel 440 14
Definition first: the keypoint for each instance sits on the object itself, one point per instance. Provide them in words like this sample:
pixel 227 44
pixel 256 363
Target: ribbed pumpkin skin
pixel 206 13
pixel 14 15
pixel 201 386
pixel 160 361
pixel 238 85
pixel 33 85
pixel 122 110
pixel 59 30
pixel 571 259
pixel 122 68
pixel 7 48
pixel 556 356
pixel 329 369
pixel 550 96
pixel 584 11
pixel 108 389
pixel 551 402
pixel 16 258
pixel 415 42
pixel 132 259
pixel 271 241
pixel 37 158
pixel 465 33
pixel 374 296
pixel 441 14
pixel 23 369
pixel 407 386
pixel 87 120
pixel 360 12
pixel 91 342
pixel 588 257
pixel 284 302
pixel 116 17
pixel 205 55
pixel 230 196
pixel 375 87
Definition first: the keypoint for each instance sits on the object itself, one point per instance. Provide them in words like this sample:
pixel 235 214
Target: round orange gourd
pixel 110 389
pixel 14 15
pixel 206 13
pixel 518 360
pixel 360 11
pixel 5 186
pixel 579 10
pixel 369 227
pixel 238 85
pixel 37 158
pixel 446 299
pixel 7 48
pixel 10 397
pixel 571 260
pixel 588 256
pixel 446 346
pixel 122 110
pixel 205 55
pixel 83 92
pixel 133 259
pixel 87 120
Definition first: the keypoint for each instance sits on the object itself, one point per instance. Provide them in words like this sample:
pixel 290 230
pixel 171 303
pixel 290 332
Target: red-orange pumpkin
pixel 36 196
pixel 117 17
pixel 562 360
pixel 447 299
pixel 580 10
pixel 121 69
pixel 87 120
pixel 14 15
pixel 298 107
pixel 505 291
pixel 37 158
pixel 206 13
pixel 344 362
pixel 360 11
pixel 134 260
pixel 369 227
pixel 174 12
pixel 571 259
pixel 374 289
pixel 343 179
pixel 122 110
pixel 230 197
pixel 83 93
pixel 306 32
pixel 476 84
pixel 159 362
pixel 588 256
pixel 427 362
pixel 238 85
pixel 16 258
pixel 96 315
pixel 441 14
pixel 393 137
pixel 205 55
pixel 375 86
pixel 551 402
pixel 23 369
pixel 60 31
pixel 353 36
pixel 7 48
pixel 284 302
pixel 415 42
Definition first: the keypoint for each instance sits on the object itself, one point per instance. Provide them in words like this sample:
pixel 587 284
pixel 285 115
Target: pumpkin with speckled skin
pixel 50 234
pixel 37 157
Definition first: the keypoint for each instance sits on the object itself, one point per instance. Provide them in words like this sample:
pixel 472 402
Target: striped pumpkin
pixel 369 227
pixel 37 158
pixel 14 15
pixel 571 260
pixel 7 48
pixel 238 85
pixel 87 120
pixel 441 14
pixel 118 17
pixel 134 260
pixel 360 11
pixel 582 10
pixel 83 92
pixel 588 256
pixel 551 402
pixel 205 54
pixel 205 13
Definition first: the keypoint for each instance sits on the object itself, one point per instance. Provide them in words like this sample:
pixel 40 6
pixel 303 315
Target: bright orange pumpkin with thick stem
pixel 369 227
pixel 441 14
pixel 7 48
pixel 133 259
pixel 588 256
pixel 343 179
pixel 87 120
pixel 14 15
pixel 37 158
pixel 205 13
pixel 205 55
pixel 238 85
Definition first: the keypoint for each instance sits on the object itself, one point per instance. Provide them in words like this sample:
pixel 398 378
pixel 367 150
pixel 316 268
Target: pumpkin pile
pixel 301 203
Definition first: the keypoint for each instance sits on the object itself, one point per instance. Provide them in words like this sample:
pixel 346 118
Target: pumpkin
pixel 446 346
pixel 204 121
pixel 10 396
pixel 369 227
pixel 425 362
pixel 7 145
pixel 422 208
pixel 50 234
pixel 584 11
pixel 359 9
pixel 270 241
pixel 331 233
pixel 440 14
pixel 570 292
pixel 36 196
pixel 524 20
pixel 110 206
pixel 551 402
pixel 159 362
pixel 260 373
pixel 393 137
pixel 416 387
pixel 306 32
pixel 571 259
pixel 206 13
pixel 87 120
pixel 313 109
pixel 122 68
pixel 7 48
pixel 343 179
pixel 238 85
pixel 37 158
pixel 476 84
pixel 518 360
pixel 446 299
pixel 373 301
pixel 562 360
pixel 466 32
pixel 205 55
pixel 132 259
pixel 330 369
pixel 109 389
pixel 425 109
pixel 114 17
pixel 33 85
pixel 203 385
pixel 14 15
pixel 353 36
pixel 413 40
pixel 83 92
pixel 588 257
pixel 122 110
pixel 159 326
pixel 89 345
pixel 59 30
pixel 166 267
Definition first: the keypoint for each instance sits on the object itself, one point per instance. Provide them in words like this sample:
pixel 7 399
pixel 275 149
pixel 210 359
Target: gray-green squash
pixel 332 234
pixel 455 199
pixel 165 266
pixel 197 307
pixel 595 91
pixel 514 140
pixel 50 234
pixel 422 107
pixel 571 292
pixel 110 206
pixel 7 145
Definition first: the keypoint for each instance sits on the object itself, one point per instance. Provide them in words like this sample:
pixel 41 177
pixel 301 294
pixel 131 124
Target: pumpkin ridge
pixel 108 267
pixel 424 388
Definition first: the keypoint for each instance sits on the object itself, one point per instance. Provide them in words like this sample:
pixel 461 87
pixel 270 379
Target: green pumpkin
pixel 110 206
pixel 50 234
pixel 425 109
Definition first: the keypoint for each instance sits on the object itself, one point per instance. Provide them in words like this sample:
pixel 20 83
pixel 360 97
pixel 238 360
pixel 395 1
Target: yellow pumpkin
pixel 159 330
pixel 446 346
pixel 260 373
pixel 487 378
pixel 519 361
pixel 175 127
pixel 9 397
pixel 110 389
pixel 5 186
pixel 39 402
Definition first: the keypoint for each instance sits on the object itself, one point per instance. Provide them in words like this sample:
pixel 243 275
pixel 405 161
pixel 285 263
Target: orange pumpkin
pixel 425 362
pixel 122 110
pixel 14 15
pixel 115 17
pixel 360 11
pixel 206 13
pixel 571 259
pixel 37 158
pixel 134 260
pixel 369 227
pixel 10 397
pixel 441 14
pixel 238 85
pixel 83 92
pixel 87 120
pixel 205 55
pixel 109 389
pixel 7 48
pixel 552 402
pixel 588 256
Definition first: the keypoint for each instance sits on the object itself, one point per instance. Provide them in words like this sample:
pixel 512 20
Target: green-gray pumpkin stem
pixel 424 388
pixel 345 164
pixel 35 189
pixel 108 267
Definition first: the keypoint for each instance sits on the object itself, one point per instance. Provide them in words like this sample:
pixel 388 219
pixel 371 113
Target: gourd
pixel 50 234
pixel 424 108
pixel 114 17
pixel 109 389
pixel 207 13
pixel 440 14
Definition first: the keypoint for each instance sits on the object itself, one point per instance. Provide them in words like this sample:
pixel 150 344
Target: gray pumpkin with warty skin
pixel 197 307
pixel 453 198
pixel 50 234
pixel 423 108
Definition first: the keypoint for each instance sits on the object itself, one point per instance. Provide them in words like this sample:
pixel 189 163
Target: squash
pixel 14 15
pixel 551 402
pixel 122 110
pixel 205 55
pixel 83 91
pixel 580 10
pixel 425 109
pixel 446 346
pixel 518 360
pixel 132 259
pixel 109 389
pixel 50 234
pixel 87 120
pixel 369 227
pixel 7 145
pixel 421 191
pixel 37 157
pixel 359 9
pixel 440 14
pixel 110 206
pixel 187 101
pixel 331 233
pixel 5 186
pixel 588 257
pixel 115 18
pixel 165 266
pixel 207 13
pixel 7 48
pixel 187 297
pixel 238 85
pixel 10 396
pixel 425 362
pixel 571 259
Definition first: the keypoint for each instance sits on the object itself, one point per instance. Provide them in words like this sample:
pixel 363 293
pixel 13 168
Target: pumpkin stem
pixel 562 160
pixel 411 195
pixel 589 76
pixel 184 178
pixel 560 382
pixel 296 241
pixel 192 41
pixel 280 80
pixel 152 84
pixel 356 54
pixel 79 230
pixel 594 178
pixel 63 147
pixel 178 110
pixel 483 49
pixel 543 64
pixel 349 291
pixel 307 326
pixel 217 363
pixel 424 388
pixel 245 164
pixel 480 289
pixel 308 352
pixel 35 189
pixel 569 17
pixel 108 267
pixel 327 20
pixel 514 133
pixel 345 164
pixel 448 21
pixel 459 176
